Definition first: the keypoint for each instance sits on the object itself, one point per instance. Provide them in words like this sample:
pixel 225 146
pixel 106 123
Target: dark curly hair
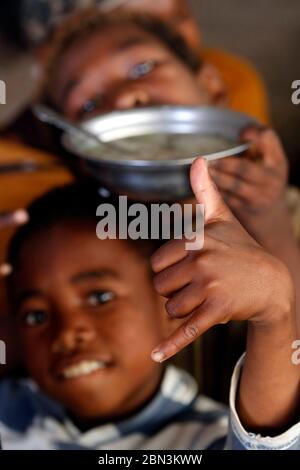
pixel 76 201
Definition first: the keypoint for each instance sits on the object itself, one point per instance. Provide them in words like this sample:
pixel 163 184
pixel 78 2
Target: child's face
pixel 120 68
pixel 89 318
pixel 176 12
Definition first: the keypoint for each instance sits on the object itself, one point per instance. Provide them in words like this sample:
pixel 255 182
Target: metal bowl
pixel 152 179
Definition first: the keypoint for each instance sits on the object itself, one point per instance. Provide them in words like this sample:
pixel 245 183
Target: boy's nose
pixel 72 338
pixel 129 99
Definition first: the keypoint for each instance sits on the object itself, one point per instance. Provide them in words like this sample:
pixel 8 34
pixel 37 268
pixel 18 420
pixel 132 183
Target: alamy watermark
pixel 152 222
pixel 296 353
pixel 2 353
pixel 296 92
pixel 2 92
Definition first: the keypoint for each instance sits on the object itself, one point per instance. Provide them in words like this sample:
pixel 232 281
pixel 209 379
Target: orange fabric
pixel 18 189
pixel 247 93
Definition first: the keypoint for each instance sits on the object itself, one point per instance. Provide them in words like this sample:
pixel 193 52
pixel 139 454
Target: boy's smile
pixel 88 318
pixel 78 367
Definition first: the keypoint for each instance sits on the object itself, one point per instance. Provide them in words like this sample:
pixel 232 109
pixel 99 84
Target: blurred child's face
pixel 121 68
pixel 175 12
pixel 89 319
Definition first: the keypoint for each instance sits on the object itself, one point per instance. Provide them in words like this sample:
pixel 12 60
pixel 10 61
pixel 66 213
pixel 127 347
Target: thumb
pixel 207 193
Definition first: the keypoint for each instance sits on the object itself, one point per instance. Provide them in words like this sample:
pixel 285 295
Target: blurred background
pixel 267 32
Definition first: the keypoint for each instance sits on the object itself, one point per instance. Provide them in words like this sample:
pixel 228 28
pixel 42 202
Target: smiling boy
pixel 94 333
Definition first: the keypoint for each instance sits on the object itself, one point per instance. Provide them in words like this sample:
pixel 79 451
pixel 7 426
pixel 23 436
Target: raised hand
pixel 254 186
pixel 231 278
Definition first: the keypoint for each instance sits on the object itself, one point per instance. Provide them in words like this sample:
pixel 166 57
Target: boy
pixel 89 317
pixel 100 63
pixel 115 62
pixel 232 80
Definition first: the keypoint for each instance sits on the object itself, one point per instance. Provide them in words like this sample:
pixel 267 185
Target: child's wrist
pixel 275 229
pixel 278 316
pixel 280 307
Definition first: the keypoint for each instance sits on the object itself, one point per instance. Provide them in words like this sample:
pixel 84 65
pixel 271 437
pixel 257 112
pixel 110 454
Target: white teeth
pixel 82 368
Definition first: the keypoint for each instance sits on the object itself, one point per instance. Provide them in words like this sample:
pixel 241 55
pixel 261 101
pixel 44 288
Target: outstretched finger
pixel 200 321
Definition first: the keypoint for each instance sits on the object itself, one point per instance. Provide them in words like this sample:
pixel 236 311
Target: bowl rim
pixel 222 113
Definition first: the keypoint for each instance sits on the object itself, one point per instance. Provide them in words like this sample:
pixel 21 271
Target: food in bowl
pixel 162 147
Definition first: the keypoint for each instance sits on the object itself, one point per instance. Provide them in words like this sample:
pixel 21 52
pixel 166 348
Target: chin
pixel 95 410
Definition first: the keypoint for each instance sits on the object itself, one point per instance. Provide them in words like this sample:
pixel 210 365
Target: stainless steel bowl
pixel 153 179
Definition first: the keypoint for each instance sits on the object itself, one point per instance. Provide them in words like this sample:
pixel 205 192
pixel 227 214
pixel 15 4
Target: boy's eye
pixel 100 297
pixel 142 69
pixel 34 317
pixel 90 105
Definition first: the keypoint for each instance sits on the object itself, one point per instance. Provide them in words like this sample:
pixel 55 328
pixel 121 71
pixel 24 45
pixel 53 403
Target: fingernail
pixel 157 356
pixel 20 216
pixel 5 269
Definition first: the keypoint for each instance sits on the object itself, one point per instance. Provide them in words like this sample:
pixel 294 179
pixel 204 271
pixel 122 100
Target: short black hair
pixel 73 202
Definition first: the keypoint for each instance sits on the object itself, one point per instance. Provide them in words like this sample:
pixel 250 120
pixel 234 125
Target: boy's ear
pixel 211 79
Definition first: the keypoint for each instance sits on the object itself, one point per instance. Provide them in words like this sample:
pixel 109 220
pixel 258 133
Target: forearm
pixel 279 240
pixel 268 399
pixel 288 252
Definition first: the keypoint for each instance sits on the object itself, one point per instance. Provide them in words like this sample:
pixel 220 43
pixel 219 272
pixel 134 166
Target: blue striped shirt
pixel 177 418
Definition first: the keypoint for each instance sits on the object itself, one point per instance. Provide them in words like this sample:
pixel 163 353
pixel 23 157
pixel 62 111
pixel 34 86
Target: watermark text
pixel 296 92
pixel 2 92
pixel 2 353
pixel 155 222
